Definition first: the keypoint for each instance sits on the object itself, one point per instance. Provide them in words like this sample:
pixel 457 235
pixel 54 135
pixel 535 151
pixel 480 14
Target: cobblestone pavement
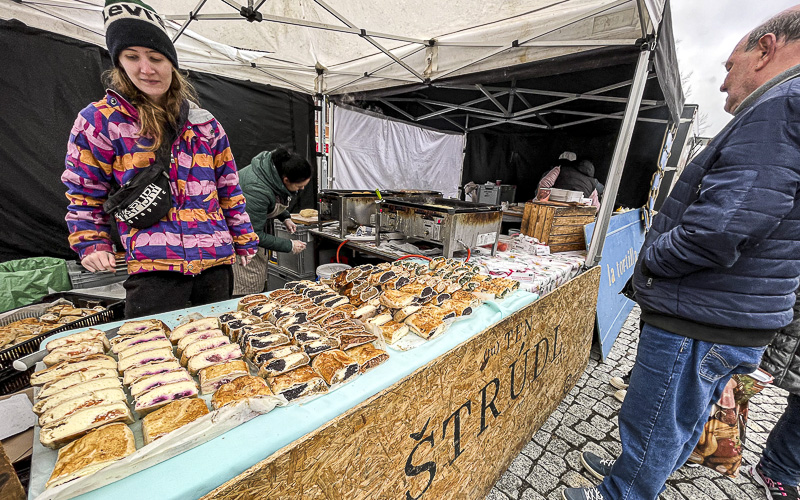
pixel 587 420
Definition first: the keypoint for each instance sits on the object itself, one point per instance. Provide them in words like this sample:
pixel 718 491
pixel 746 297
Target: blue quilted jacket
pixel 722 260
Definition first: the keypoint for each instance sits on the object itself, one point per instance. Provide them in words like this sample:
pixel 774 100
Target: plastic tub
pixel 325 271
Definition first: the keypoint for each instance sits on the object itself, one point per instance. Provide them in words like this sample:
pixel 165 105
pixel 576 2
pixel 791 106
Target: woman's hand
pixel 298 246
pixel 290 226
pixel 245 259
pixel 99 261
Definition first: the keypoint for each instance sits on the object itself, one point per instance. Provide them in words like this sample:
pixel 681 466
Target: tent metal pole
pixel 493 99
pixel 542 43
pixel 367 37
pixel 322 159
pixel 641 9
pixel 399 110
pixel 520 114
pixel 551 93
pixel 284 80
pixel 502 121
pixel 618 160
pixel 369 74
pixel 331 124
pixel 61 5
pixel 449 120
pixel 603 116
pixel 191 18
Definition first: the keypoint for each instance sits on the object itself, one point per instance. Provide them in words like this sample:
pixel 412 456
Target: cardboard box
pixel 19 446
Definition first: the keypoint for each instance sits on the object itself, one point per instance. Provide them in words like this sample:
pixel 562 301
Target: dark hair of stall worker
pixel 153 118
pixel 291 166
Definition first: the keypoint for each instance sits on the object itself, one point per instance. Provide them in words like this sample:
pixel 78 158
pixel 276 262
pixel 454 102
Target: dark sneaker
pixel 598 467
pixel 774 489
pixel 581 494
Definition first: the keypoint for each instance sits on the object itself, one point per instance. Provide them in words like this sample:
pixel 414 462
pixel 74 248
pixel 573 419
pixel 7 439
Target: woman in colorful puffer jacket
pixel 187 256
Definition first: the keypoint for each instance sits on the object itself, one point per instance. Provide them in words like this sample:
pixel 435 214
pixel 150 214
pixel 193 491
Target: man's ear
pixel 767 45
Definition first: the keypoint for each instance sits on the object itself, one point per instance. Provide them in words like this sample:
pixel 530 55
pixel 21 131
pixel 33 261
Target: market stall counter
pixel 441 420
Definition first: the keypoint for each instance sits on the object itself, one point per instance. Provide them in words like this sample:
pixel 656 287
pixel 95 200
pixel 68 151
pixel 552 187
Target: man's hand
pixel 245 259
pixel 298 246
pixel 290 226
pixel 99 261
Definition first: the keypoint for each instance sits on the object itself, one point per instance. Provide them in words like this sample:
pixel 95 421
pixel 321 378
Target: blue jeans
pixel 674 383
pixel 780 460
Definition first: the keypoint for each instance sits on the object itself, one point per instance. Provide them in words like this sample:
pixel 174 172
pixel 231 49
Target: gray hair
pixel 785 25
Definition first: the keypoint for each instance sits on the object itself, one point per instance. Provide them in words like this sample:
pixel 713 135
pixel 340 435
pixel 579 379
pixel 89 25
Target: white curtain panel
pixel 373 152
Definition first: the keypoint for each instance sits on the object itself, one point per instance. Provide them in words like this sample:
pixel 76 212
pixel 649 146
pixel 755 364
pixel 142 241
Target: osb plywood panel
pixel 451 428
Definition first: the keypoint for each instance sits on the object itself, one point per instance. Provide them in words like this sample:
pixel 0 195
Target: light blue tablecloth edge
pixel 191 475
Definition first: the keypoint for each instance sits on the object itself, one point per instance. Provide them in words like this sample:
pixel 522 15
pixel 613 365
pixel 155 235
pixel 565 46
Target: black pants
pixel 156 292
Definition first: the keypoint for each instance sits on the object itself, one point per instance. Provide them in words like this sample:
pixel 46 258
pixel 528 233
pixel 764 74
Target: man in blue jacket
pixel 718 270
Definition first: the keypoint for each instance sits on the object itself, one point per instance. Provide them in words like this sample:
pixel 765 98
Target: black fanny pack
pixel 146 199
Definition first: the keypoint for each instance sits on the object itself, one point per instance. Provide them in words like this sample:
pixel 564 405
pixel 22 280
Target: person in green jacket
pixel 268 184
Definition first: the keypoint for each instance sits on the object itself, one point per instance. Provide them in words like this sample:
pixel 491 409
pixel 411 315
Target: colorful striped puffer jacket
pixel 207 224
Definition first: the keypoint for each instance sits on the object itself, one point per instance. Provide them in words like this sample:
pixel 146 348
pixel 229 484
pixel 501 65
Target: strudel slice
pixel 428 322
pixel 143 358
pixel 211 377
pixel 60 432
pixel 58 385
pixel 262 357
pixel 120 344
pixel 193 326
pixel 163 395
pixel 144 346
pixel 240 389
pixel 298 383
pixel 71 352
pixel 213 357
pixel 68 407
pixel 280 365
pixel 134 374
pixel 142 326
pixel 145 384
pixel 91 453
pixel 76 338
pixel 335 366
pixel 64 368
pixel 171 417
pixel 367 356
pixel 255 344
pixel 203 345
pixel 193 337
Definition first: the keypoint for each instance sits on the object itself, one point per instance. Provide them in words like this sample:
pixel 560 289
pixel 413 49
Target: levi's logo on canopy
pixel 124 10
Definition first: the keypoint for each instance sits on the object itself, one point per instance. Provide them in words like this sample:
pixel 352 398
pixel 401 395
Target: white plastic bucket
pixel 325 271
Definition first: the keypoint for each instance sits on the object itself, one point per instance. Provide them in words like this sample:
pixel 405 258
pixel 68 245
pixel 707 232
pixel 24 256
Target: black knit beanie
pixel 132 23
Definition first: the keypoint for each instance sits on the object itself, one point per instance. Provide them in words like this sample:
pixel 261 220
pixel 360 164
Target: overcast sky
pixel 706 31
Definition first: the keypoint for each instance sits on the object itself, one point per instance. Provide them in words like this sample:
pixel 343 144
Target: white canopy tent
pixel 336 47
pixel 343 46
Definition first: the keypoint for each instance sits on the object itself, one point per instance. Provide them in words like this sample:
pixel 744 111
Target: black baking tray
pixel 12 380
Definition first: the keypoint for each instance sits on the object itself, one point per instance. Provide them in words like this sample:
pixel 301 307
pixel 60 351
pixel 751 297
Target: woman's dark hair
pixel 291 165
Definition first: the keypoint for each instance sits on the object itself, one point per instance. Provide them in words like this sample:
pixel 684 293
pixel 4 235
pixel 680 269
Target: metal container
pixel 353 208
pixel 492 194
pixel 454 224
pixel 302 263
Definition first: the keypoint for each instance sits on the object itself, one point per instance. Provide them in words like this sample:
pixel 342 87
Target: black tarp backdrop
pixel 47 79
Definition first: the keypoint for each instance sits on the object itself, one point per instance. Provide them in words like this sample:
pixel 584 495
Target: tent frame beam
pixel 595 252
pixel 506 113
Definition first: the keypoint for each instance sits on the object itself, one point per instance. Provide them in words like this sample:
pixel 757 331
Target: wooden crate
pixel 557 225
pixel 451 428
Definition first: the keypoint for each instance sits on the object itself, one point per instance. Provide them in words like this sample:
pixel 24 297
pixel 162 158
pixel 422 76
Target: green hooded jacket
pixel 262 188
